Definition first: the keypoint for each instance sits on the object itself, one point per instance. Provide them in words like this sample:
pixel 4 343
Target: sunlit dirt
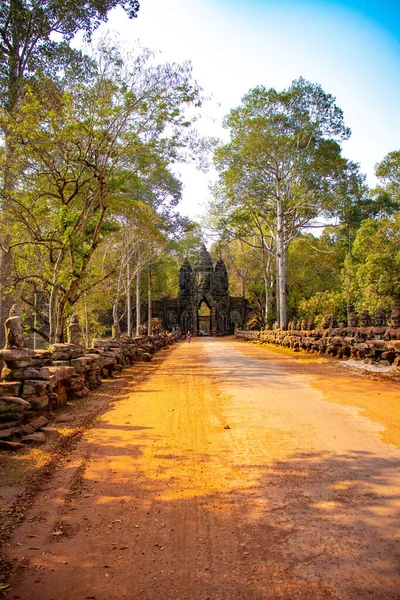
pixel 231 472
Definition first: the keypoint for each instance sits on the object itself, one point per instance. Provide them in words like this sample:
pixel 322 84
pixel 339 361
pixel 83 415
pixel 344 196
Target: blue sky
pixel 351 48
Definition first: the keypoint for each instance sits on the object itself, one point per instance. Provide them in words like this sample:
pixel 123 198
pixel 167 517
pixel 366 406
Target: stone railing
pixel 35 382
pixel 371 343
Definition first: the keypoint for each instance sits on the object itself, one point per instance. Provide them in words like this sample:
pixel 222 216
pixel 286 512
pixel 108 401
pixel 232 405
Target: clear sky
pixel 352 48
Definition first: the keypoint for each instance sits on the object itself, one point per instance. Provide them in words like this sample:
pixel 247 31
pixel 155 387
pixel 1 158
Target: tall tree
pixel 35 38
pixel 281 167
pixel 80 152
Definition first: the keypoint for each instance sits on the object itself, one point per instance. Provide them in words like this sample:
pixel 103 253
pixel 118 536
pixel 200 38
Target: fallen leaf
pixel 33 548
pixel 4 586
pixel 122 547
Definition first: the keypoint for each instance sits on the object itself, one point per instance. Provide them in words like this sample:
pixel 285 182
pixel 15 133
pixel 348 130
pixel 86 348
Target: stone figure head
pixel 303 325
pixel 353 319
pixel 395 317
pixel 380 317
pixel 325 322
pixel 310 325
pixel 332 322
pixel 365 318
pixel 13 329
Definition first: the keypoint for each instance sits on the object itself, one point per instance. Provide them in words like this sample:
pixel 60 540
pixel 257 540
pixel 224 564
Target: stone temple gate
pixel 204 305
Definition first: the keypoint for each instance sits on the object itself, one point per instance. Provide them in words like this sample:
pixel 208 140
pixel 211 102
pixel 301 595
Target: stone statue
pixel 13 329
pixel 348 336
pixel 75 334
pixel 377 334
pixel 364 333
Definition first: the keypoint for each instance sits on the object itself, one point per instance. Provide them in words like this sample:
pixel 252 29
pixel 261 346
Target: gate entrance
pixel 204 319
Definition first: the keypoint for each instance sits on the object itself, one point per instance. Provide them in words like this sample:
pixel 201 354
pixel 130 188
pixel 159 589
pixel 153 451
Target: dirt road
pixel 232 472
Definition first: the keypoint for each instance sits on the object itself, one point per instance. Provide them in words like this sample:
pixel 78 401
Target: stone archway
pixel 204 318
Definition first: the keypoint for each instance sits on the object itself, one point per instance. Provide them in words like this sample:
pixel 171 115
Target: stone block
pixel 51 433
pixel 64 418
pixel 28 429
pixel 12 446
pixel 39 422
pixel 42 355
pixel 60 373
pixel 38 402
pixel 66 351
pixel 37 373
pixel 10 388
pixel 81 364
pixel 8 374
pixel 12 404
pixel 7 433
pixel 35 438
pixel 34 387
pixel 11 354
pixel 8 425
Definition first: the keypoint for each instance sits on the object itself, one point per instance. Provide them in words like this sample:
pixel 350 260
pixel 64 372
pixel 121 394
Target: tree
pixel 373 267
pixel 80 153
pixel 314 271
pixel 27 42
pixel 281 167
pixel 34 42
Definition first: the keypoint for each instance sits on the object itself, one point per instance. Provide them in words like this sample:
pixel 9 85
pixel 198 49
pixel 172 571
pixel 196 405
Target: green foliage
pixel 314 268
pixel 324 303
pixel 281 170
pixel 90 159
pixel 373 267
pixel 28 46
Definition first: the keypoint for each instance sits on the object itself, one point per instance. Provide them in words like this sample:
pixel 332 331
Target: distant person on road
pixel 189 337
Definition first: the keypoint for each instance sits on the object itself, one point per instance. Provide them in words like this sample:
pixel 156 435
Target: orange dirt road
pixel 232 472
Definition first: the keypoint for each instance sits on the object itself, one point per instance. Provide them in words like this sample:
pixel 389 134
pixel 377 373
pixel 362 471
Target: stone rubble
pixel 376 343
pixel 36 382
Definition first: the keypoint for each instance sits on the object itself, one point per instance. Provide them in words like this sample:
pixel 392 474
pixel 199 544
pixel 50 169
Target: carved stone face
pixel 380 317
pixel 203 280
pixel 353 319
pixel 325 322
pixel 395 317
pixel 365 319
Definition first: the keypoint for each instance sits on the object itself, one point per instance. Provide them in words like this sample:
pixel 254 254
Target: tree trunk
pixel 138 316
pixel 52 314
pixel 60 325
pixel 281 252
pixel 149 304
pixel 116 329
pixel 86 322
pixel 278 318
pixel 128 300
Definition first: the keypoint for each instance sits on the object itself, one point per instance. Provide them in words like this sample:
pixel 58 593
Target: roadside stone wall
pixel 36 382
pixel 372 343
